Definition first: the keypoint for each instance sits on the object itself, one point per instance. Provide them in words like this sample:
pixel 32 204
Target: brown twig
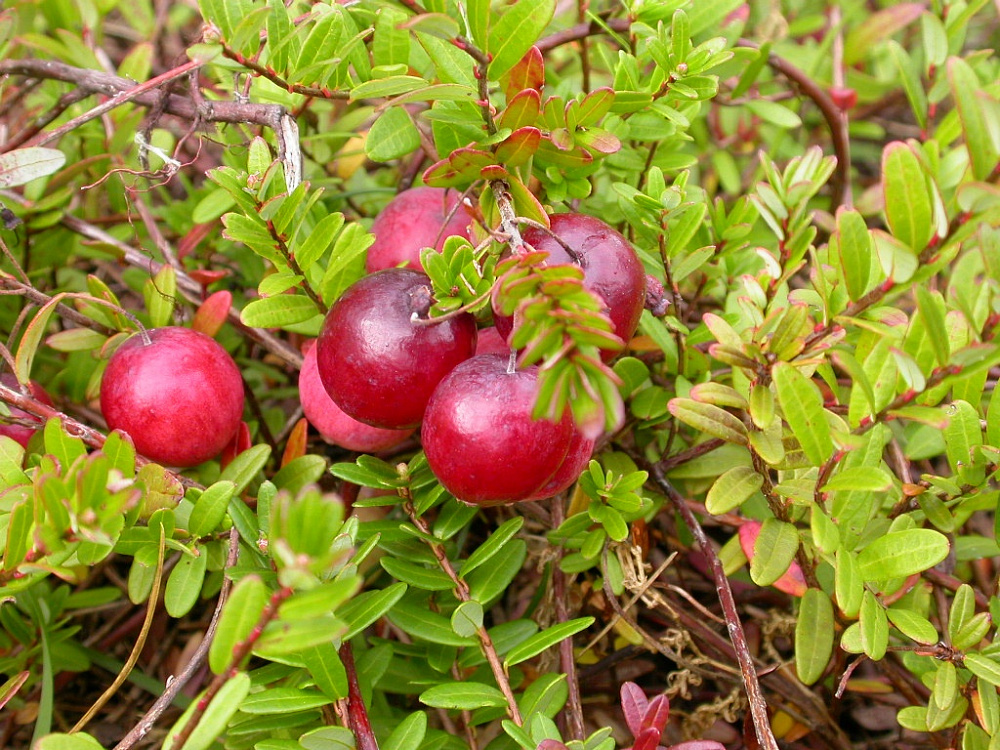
pixel 357 714
pixel 462 594
pixel 240 652
pixel 567 659
pixel 755 696
pixel 175 685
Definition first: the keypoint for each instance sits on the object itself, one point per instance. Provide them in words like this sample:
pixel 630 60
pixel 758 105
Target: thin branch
pixel 755 696
pixel 462 594
pixel 357 714
pixel 240 652
pixel 193 665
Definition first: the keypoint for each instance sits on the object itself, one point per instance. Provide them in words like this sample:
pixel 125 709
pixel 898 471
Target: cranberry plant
pixel 743 456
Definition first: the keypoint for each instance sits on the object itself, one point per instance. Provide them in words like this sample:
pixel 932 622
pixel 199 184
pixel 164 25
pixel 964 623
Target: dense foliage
pixel 788 531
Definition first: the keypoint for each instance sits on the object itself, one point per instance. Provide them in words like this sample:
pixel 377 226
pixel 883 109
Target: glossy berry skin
pixel 490 341
pixel 415 219
pixel 21 433
pixel 179 397
pixel 578 456
pixel 482 442
pixel 330 420
pixel 379 364
pixel 610 266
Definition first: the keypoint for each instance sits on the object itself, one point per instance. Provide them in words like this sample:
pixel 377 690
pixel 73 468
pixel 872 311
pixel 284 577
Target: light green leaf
pixel 902 553
pixel 983 667
pixel 279 310
pixel 515 32
pixel 908 208
pixel 239 616
pixel 543 640
pixel 774 113
pixel 913 625
pixel 967 92
pixel 774 551
pixel 467 618
pixel 814 631
pixel 732 489
pixel 184 585
pixel 802 406
pixel 26 164
pixel 408 734
pixel 709 419
pixel 210 509
pixel 213 723
pixel 393 135
pixel 856 249
pixel 278 700
pixel 874 627
pixel 504 533
pixel 327 670
pixel 466 696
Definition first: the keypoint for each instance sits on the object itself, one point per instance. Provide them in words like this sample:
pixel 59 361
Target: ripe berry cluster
pixel 382 367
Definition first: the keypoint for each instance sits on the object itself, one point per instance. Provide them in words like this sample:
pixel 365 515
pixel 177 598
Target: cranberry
pixel 22 433
pixel 610 266
pixel 482 442
pixel 178 395
pixel 331 422
pixel 377 360
pixel 415 219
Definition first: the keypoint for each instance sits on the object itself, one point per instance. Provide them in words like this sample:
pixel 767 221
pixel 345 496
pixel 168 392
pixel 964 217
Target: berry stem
pixel 462 594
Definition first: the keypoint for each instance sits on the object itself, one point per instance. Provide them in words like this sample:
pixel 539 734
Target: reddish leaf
pixel 212 313
pixel 699 745
pixel 529 73
pixel 241 441
pixel 205 277
pixel 648 739
pixel 461 168
pixel 657 714
pixel 793 581
pixel 193 238
pixel 519 147
pixel 634 706
pixel 595 105
pixel 296 445
pixel 493 172
pixel 522 110
pixel 599 140
pixel 551 745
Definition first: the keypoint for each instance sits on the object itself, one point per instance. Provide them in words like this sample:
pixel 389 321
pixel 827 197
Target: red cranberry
pixel 415 219
pixel 482 442
pixel 610 266
pixel 179 395
pixel 378 362
pixel 331 422
pixel 22 433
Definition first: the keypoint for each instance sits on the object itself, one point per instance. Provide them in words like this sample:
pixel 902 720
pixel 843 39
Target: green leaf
pixel 299 473
pixel 417 575
pixel 774 113
pixel 242 469
pixel 59 443
pixel 802 406
pixel 240 615
pixel 78 741
pixel 467 618
pixel 408 734
pixel 422 623
pixel 393 135
pixel 504 533
pixel 26 164
pixel 210 509
pixel 856 249
pixel 849 585
pixel 876 27
pixel 814 631
pixel 902 553
pixel 971 103
pixel 465 696
pixel 774 551
pixel 932 312
pixel 185 582
pixel 213 723
pixel 709 419
pixel 368 606
pixel 487 583
pixel 983 667
pixel 120 452
pixel 913 625
pixel 732 489
pixel 297 637
pixel 859 479
pixel 327 670
pixel 278 311
pixel 514 33
pixel 907 201
pixel 160 294
pixel 546 638
pixel 874 627
pixel 962 437
pixel 277 700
